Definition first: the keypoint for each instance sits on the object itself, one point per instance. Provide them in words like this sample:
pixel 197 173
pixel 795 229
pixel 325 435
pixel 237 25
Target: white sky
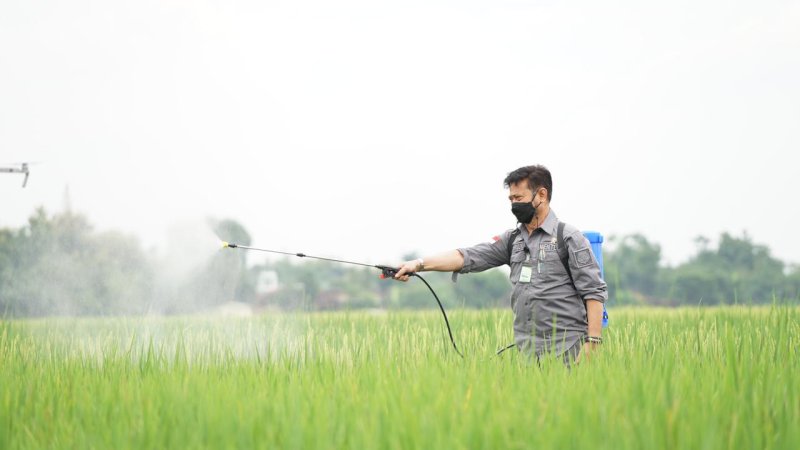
pixel 366 129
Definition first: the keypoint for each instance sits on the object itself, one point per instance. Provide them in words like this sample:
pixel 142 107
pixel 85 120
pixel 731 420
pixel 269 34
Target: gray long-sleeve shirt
pixel 549 310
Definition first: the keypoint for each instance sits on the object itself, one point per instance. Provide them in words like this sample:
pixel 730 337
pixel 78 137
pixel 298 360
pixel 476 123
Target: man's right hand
pixel 408 267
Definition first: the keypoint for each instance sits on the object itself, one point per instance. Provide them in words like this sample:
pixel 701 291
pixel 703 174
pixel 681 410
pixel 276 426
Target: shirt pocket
pixel 552 269
pixel 518 257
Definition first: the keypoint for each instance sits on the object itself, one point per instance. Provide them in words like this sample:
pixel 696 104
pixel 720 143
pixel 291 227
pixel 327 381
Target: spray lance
pixel 386 273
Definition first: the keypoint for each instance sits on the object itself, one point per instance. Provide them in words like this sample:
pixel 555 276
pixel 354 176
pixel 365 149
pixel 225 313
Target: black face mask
pixel 524 211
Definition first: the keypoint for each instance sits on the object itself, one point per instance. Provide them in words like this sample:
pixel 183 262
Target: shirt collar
pixel 549 225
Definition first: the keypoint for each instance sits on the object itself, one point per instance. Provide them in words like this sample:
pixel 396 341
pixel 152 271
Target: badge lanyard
pixel 527 268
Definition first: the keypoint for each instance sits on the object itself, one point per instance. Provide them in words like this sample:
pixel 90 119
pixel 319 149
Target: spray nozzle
pixel 228 245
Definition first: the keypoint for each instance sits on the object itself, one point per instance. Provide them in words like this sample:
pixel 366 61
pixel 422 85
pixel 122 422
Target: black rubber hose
pixel 441 307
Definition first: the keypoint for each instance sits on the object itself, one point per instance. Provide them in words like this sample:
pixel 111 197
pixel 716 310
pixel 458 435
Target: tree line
pixel 57 264
pixel 736 270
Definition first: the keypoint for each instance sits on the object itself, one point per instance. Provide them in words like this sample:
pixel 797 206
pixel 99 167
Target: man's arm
pixel 451 261
pixel 589 284
pixel 594 315
pixel 477 258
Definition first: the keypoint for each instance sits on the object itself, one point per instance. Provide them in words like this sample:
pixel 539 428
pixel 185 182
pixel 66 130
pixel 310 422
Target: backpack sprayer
pixel 386 272
pixel 595 241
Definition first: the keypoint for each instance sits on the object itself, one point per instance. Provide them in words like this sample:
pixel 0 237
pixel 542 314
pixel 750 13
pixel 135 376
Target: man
pixel 555 310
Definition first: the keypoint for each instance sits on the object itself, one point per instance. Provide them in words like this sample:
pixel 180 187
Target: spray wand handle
pixel 390 272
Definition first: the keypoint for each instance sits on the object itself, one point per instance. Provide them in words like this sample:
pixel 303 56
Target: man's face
pixel 520 192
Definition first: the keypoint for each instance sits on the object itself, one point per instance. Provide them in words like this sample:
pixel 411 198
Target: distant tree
pixel 632 268
pixel 223 278
pixel 232 231
pixel 490 289
pixel 737 271
pixel 692 284
pixel 57 265
pixel 415 295
pixel 792 284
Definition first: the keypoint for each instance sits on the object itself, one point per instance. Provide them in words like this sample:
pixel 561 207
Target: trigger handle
pixel 390 272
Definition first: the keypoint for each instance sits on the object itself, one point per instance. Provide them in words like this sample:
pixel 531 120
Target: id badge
pixel 527 270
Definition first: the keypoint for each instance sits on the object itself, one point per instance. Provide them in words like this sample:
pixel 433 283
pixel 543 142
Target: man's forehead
pixel 519 186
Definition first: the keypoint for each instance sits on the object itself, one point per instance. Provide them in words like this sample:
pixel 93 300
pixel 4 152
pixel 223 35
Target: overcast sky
pixel 367 129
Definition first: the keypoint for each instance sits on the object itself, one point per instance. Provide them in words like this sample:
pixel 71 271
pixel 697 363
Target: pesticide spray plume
pixel 386 272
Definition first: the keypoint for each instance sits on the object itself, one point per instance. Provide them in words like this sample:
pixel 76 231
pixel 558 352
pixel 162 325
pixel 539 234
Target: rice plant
pixel 664 379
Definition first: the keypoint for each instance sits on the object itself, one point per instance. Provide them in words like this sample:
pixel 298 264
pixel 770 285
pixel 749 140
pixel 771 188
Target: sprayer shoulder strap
pixel 563 250
pixel 563 253
pixel 511 238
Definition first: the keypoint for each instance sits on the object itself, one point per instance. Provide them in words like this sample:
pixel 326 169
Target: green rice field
pixel 691 378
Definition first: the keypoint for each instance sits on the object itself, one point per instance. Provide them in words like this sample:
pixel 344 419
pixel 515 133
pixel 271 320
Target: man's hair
pixel 538 177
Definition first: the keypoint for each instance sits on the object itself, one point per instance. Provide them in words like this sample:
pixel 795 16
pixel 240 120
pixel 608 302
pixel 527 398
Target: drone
pixel 23 168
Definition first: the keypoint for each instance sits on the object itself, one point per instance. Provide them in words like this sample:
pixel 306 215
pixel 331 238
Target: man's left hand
pixel 586 352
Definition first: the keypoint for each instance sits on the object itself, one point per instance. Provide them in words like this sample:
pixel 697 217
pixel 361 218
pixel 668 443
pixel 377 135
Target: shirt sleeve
pixel 585 269
pixel 486 255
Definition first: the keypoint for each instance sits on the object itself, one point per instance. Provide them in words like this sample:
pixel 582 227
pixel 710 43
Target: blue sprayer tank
pixel 596 241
